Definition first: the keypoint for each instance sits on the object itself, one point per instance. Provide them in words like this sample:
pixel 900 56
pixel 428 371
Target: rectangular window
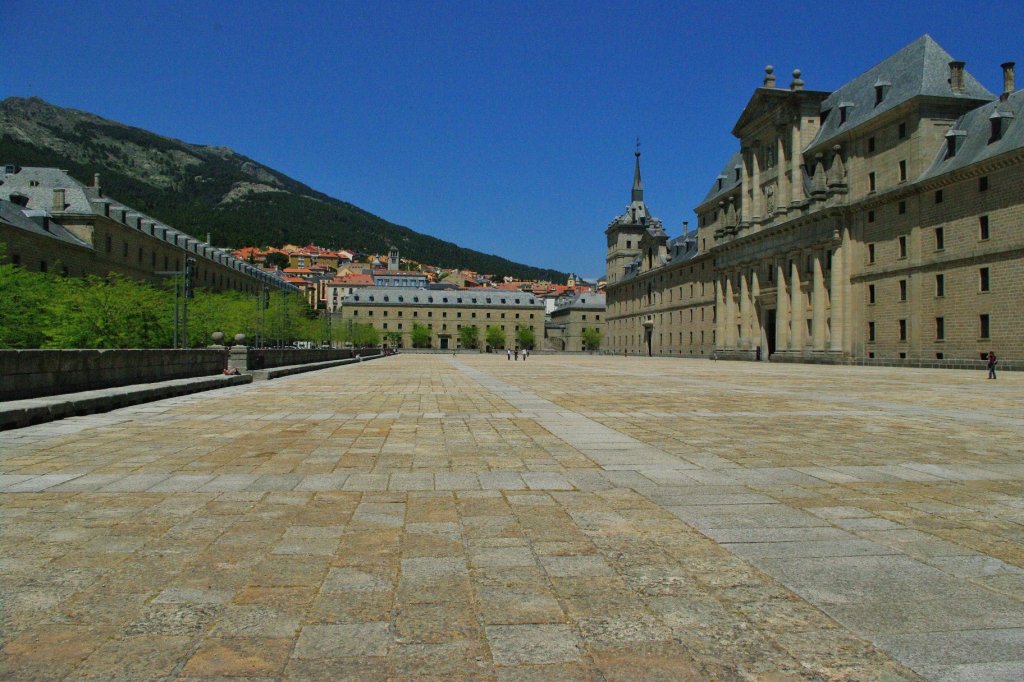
pixel 983 279
pixel 940 328
pixel 983 319
pixel 903 330
pixel 871 181
pixel 938 196
pixel 903 289
pixel 903 171
pixel 871 331
pixel 903 247
pixel 983 227
pixel 983 183
pixel 871 216
pixel 940 241
pixel 871 294
pixel 871 253
pixel 939 356
pixel 902 131
pixel 902 208
pixel 871 145
pixel 940 285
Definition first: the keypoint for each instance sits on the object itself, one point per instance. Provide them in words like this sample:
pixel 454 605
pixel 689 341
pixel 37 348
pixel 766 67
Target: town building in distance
pixel 876 223
pixel 570 316
pixel 51 222
pixel 445 312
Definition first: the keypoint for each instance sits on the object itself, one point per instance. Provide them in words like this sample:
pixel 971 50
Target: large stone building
pixel 444 312
pixel 52 222
pixel 570 316
pixel 879 222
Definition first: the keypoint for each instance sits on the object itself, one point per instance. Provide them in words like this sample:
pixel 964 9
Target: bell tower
pixel 625 232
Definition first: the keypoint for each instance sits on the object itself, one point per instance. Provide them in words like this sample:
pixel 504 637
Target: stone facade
pixel 570 317
pixel 445 312
pixel 877 222
pixel 79 231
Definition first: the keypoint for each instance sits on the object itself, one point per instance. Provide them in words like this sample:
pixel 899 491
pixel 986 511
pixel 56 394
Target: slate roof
pixel 581 302
pixel 728 177
pixel 478 298
pixel 973 131
pixel 22 219
pixel 919 69
pixel 38 183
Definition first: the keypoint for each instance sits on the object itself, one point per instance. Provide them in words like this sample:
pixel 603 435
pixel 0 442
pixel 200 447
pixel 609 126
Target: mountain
pixel 214 189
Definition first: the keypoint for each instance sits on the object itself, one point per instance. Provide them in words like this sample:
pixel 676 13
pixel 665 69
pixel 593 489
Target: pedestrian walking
pixel 992 365
pixel 526 354
pixel 508 352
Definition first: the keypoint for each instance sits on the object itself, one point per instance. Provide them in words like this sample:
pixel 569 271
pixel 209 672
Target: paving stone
pixel 574 517
pixel 518 644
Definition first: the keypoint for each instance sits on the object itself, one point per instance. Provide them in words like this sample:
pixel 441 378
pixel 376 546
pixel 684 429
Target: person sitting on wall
pixel 231 371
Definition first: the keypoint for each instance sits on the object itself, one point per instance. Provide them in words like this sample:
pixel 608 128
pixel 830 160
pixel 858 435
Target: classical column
pixel 782 317
pixel 795 158
pixel 784 191
pixel 818 305
pixel 719 315
pixel 836 297
pixel 745 188
pixel 730 317
pixel 754 331
pixel 796 306
pixel 755 190
pixel 744 313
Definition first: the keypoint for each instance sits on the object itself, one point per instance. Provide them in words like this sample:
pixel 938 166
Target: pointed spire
pixel 638 186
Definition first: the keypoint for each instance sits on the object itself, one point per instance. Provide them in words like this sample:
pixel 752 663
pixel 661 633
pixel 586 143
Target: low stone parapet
pixel 276 372
pixel 19 413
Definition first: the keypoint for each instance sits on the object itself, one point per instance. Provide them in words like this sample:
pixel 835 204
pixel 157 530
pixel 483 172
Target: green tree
pixel 421 336
pixel 469 336
pixel 277 259
pixel 365 336
pixel 495 336
pixel 26 302
pixel 115 312
pixel 591 338
pixel 393 339
pixel 525 337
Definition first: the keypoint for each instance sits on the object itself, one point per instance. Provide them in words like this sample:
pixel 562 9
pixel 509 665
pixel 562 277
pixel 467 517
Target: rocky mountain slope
pixel 214 189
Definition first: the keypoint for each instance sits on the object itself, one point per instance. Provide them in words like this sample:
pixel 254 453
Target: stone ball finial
pixel 769 69
pixel 239 339
pixel 796 73
pixel 217 337
pixel 837 148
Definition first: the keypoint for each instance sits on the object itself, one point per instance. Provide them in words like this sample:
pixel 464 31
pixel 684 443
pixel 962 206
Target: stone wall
pixel 34 373
pixel 265 358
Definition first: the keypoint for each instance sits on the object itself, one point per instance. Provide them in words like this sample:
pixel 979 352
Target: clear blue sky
pixel 505 127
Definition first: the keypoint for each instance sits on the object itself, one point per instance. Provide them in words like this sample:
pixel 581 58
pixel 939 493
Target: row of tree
pixel 469 337
pixel 42 310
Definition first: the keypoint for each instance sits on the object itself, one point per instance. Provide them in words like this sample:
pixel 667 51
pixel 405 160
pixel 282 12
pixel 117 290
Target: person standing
pixel 992 365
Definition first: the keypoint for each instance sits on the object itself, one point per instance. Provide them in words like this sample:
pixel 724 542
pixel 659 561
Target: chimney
pixel 1008 85
pixel 956 77
pixel 798 83
pixel 769 76
pixel 58 200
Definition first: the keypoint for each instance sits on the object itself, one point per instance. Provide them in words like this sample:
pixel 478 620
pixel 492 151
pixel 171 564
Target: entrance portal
pixel 649 334
pixel 444 342
pixel 769 330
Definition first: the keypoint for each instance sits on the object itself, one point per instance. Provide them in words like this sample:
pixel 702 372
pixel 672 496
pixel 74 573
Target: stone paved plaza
pixel 590 518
